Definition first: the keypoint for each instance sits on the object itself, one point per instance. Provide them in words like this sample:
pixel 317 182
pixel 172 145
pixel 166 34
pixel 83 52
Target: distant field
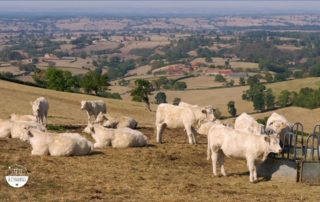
pixel 217 61
pixel 142 44
pixel 142 70
pixel 289 47
pixel 201 82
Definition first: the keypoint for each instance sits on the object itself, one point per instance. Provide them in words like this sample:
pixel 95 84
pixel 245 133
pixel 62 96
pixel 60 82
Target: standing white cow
pixel 278 124
pixel 40 109
pixel 172 116
pixel 247 123
pixel 224 141
pixel 93 108
pixel 198 112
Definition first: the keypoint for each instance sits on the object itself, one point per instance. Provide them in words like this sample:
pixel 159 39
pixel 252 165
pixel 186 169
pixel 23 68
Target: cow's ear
pixel 267 139
pixel 30 134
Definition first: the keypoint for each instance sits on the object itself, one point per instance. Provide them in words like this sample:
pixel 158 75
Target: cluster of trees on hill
pixel 306 97
pixel 261 97
pixel 93 82
pixel 172 84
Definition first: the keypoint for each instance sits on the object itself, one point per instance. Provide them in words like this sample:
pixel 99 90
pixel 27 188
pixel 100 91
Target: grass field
pixel 173 171
pixel 64 107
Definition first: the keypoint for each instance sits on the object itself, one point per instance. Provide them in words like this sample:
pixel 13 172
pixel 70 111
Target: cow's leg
pixel 221 162
pixel 194 132
pixel 160 129
pixel 255 178
pixel 214 158
pixel 190 134
pixel 251 167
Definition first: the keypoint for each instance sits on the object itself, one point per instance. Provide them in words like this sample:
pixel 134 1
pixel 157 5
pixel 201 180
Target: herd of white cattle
pixel 246 140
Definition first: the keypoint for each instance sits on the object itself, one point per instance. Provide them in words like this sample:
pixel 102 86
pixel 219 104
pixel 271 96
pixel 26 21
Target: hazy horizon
pixel 158 7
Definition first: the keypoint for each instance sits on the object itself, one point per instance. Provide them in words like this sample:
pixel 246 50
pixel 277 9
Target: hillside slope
pixel 64 107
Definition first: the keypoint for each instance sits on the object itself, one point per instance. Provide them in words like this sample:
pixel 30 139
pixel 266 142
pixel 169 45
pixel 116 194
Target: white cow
pixel 117 138
pixel 247 123
pixel 59 144
pixel 17 117
pixel 198 112
pixel 205 127
pixel 40 109
pixel 172 116
pixel 20 129
pixel 278 124
pixel 5 128
pixel 116 122
pixel 238 144
pixel 93 108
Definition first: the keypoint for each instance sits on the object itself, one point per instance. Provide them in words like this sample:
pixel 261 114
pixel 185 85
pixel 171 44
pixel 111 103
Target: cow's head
pixel 83 105
pixel 278 126
pixel 35 108
pixel 273 142
pixel 209 112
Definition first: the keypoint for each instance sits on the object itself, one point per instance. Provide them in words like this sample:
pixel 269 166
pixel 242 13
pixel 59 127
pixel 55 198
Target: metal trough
pixel 300 159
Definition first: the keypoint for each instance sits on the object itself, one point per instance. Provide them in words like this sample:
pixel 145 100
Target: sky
pixel 161 7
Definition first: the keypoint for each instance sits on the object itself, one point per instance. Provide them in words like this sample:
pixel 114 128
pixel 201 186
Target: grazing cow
pixel 228 142
pixel 40 109
pixel 117 138
pixel 198 112
pixel 205 127
pixel 17 117
pixel 93 108
pixel 172 116
pixel 278 124
pixel 116 122
pixel 247 123
pixel 58 144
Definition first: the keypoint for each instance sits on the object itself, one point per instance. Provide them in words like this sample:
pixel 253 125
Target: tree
pixel 252 80
pixel 258 101
pixel 176 101
pixel 142 91
pixel 208 60
pixel 268 77
pixel 232 109
pixel 60 80
pixel 242 81
pixel 94 81
pixel 284 98
pixel 219 78
pixel 269 99
pixel 161 98
pixel 298 74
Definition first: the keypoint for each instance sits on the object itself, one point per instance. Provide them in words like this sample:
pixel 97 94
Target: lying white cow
pixel 40 109
pixel 247 123
pixel 198 112
pixel 20 129
pixel 279 125
pixel 116 122
pixel 238 144
pixel 93 108
pixel 172 116
pixel 59 144
pixel 17 117
pixel 117 138
pixel 5 128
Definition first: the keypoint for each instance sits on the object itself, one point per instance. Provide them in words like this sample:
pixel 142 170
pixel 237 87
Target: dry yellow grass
pixel 201 82
pixel 64 107
pixel 173 171
pixel 142 70
pixel 295 85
